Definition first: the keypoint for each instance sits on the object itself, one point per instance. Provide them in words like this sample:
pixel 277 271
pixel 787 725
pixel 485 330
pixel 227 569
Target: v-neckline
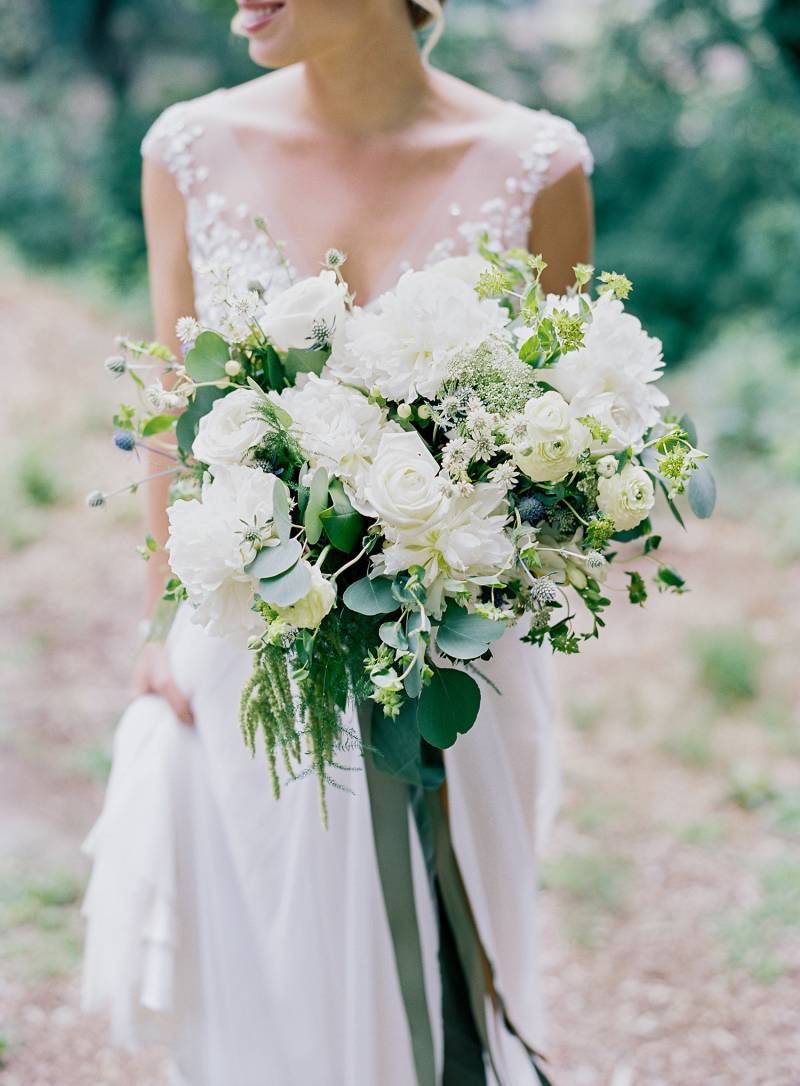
pixel 298 262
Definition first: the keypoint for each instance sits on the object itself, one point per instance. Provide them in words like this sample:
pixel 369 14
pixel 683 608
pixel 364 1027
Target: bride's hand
pixel 152 675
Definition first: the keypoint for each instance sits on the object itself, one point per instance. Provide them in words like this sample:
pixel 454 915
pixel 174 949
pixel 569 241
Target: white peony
pixel 626 498
pixel 309 311
pixel 553 439
pixel 231 428
pixel 403 485
pixel 404 346
pixel 213 539
pixel 338 428
pixel 466 268
pixel 308 612
pixel 612 375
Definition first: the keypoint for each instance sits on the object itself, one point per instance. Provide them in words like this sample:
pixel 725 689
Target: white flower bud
pixel 423 411
pixel 606 466
pixel 404 411
pixel 233 368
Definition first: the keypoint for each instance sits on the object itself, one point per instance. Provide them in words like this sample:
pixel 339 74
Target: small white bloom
pixel 162 399
pixel 553 439
pixel 505 475
pixel 309 611
pixel 295 317
pixel 230 429
pixel 606 466
pixel 233 368
pixel 187 329
pixel 627 497
pixel 404 410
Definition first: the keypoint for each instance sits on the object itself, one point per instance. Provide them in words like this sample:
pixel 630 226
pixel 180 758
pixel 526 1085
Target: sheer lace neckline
pixel 490 193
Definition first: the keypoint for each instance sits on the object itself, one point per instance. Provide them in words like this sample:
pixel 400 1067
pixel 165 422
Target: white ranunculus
pixel 308 612
pixel 338 428
pixel 607 466
pixel 404 346
pixel 296 316
pixel 627 497
pixel 403 485
pixel 231 428
pixel 466 268
pixel 211 541
pixel 612 375
pixel 553 441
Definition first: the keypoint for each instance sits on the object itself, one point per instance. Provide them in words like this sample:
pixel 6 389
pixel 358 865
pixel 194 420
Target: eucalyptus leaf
pixel 272 561
pixel 466 636
pixel 393 634
pixel 370 596
pixel 448 707
pixel 317 500
pixel 702 491
pixel 342 529
pixel 157 425
pixel 280 511
pixel 206 360
pixel 199 405
pixel 413 680
pixel 287 588
pixel 304 360
pixel 686 422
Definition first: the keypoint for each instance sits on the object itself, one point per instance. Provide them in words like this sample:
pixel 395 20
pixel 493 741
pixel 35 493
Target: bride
pixel 229 927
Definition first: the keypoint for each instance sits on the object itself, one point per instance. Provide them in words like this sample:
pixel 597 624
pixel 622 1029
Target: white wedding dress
pixel 232 927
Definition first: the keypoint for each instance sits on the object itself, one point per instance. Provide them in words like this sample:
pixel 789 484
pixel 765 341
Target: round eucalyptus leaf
pixel 466 636
pixel 287 588
pixel 272 561
pixel 448 707
pixel 702 491
pixel 370 596
pixel 206 360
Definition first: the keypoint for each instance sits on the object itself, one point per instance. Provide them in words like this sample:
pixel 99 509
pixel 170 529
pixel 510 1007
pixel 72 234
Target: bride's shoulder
pixel 544 140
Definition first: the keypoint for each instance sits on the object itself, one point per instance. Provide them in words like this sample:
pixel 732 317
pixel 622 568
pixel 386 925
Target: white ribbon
pixel 434 8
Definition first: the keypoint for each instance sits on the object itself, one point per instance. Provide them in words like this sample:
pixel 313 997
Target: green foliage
pixel 38 479
pixel 728 663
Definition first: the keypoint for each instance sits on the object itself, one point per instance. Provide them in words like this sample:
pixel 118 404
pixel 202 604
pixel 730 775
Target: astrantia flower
pixel 404 347
pixel 232 427
pixel 627 497
pixel 338 428
pixel 611 377
pixel 163 399
pixel 212 540
pixel 553 439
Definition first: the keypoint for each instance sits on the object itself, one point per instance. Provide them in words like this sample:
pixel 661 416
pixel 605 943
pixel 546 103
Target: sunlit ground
pixel 671 891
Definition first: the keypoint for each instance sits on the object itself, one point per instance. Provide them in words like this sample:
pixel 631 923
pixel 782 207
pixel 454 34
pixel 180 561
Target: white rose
pixel 612 376
pixel 403 346
pixel 230 429
pixel 553 441
pixel 309 309
pixel 626 498
pixel 403 486
pixel 308 612
pixel 606 466
pixel 211 541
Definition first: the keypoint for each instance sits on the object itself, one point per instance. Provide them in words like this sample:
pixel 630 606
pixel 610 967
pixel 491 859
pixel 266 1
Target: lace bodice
pixel 492 192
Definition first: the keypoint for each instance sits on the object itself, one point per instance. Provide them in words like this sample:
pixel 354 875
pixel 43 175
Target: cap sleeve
pixel 556 148
pixel 170 141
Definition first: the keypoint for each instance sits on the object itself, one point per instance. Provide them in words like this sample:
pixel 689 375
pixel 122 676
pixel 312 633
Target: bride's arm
pixel 172 296
pixel 563 228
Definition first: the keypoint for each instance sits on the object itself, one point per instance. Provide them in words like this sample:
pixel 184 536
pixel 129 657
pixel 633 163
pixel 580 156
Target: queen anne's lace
pixel 224 241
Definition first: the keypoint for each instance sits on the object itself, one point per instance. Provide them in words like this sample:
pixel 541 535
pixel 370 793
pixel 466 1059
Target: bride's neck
pixel 375 84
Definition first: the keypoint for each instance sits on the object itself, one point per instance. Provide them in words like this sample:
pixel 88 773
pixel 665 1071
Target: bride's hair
pixel 420 16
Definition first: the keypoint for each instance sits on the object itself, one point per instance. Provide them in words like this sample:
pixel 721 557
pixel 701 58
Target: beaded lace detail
pixel 224 239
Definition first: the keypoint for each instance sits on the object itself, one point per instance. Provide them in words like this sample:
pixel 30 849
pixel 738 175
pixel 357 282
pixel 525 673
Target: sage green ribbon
pixel 403 771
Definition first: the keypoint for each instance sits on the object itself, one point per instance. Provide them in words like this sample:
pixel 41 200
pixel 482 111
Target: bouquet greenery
pixel 369 499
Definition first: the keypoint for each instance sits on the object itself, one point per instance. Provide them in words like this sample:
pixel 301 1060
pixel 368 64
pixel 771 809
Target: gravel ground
pixel 670 913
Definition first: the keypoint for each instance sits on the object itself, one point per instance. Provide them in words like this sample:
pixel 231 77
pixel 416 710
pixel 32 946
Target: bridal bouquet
pixel 369 499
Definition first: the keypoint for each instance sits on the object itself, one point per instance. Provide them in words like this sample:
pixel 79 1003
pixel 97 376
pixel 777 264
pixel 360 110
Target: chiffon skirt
pixel 252 942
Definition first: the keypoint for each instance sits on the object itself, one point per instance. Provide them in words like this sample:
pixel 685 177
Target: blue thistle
pixel 531 509
pixel 124 440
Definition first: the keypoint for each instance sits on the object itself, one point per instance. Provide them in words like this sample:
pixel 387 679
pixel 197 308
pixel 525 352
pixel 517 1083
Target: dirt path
pixel 670 910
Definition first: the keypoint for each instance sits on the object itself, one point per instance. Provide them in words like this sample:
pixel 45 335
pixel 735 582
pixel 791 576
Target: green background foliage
pixel 692 110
